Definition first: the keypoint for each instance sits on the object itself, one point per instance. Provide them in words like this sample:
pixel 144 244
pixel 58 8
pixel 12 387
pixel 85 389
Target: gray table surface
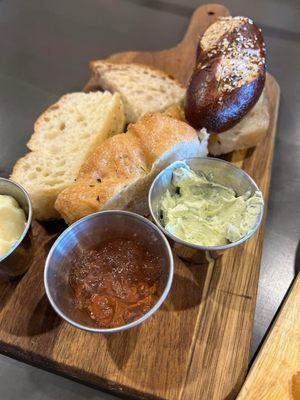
pixel 45 47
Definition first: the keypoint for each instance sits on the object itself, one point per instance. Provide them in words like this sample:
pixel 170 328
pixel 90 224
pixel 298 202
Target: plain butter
pixel 12 223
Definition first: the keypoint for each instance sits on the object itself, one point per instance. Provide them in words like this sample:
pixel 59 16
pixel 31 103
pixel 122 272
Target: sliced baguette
pixel 247 133
pixel 118 174
pixel 142 89
pixel 64 135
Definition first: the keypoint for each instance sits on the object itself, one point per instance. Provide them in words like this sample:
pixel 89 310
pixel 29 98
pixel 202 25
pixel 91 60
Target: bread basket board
pixel 197 345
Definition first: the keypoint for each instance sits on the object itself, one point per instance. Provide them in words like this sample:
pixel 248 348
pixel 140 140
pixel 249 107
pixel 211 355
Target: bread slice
pixel 142 89
pixel 118 174
pixel 247 133
pixel 63 137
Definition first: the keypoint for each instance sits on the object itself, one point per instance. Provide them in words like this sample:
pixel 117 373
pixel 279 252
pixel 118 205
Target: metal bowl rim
pixel 28 222
pixel 195 246
pixel 122 327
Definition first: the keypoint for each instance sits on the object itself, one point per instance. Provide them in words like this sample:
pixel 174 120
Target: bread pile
pixel 82 158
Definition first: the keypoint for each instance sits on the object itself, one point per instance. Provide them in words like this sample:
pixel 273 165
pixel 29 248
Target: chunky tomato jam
pixel 116 283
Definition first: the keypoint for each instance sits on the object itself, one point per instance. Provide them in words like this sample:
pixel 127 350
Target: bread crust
pixel 117 175
pixel 95 64
pixel 229 76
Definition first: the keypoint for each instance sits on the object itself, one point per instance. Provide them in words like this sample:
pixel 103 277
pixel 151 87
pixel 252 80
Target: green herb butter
pixel 206 213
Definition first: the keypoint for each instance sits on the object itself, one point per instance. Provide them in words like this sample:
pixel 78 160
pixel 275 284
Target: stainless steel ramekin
pixel 17 260
pixel 88 233
pixel 224 173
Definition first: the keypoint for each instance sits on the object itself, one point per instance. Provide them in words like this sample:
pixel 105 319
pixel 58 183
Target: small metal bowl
pixel 17 260
pixel 224 173
pixel 88 233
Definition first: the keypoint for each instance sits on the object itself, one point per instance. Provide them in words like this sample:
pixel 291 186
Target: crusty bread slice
pixel 64 135
pixel 247 133
pixel 142 89
pixel 118 174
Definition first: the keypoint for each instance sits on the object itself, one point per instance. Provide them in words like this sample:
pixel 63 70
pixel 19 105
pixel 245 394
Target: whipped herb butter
pixel 206 213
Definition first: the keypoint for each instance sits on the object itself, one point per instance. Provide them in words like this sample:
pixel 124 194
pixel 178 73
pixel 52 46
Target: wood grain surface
pixel 275 374
pixel 197 345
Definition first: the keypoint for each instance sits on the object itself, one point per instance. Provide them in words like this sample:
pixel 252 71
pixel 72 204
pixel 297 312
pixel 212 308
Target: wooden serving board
pixel 197 345
pixel 275 374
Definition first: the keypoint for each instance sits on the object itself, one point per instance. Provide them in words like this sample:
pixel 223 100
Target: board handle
pixel 201 19
pixel 177 61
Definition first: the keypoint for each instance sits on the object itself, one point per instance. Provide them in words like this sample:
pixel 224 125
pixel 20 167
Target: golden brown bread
pixel 119 172
pixel 176 112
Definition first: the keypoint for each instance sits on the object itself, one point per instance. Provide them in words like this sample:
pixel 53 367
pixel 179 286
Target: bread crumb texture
pixel 142 89
pixel 63 137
